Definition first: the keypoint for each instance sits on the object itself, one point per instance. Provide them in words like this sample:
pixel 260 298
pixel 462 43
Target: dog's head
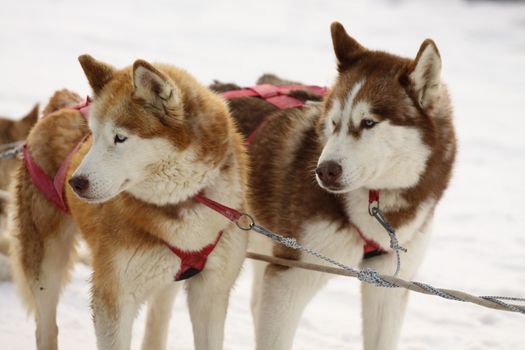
pixel 378 119
pixel 140 124
pixel 12 131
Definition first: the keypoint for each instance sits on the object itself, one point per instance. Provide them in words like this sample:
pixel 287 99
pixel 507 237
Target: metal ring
pixel 373 208
pixel 245 228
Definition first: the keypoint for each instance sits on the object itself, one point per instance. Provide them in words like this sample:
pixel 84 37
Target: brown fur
pixel 15 131
pixel 285 196
pixel 11 131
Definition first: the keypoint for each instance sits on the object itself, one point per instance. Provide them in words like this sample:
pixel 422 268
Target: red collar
pixel 53 187
pixel 371 247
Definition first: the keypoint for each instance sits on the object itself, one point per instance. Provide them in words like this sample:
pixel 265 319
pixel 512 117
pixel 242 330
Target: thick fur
pixel 387 125
pixel 179 140
pixel 10 131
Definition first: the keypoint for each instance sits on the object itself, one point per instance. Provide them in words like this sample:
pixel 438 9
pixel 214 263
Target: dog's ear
pixel 97 73
pixel 30 118
pixel 424 74
pixel 347 49
pixel 24 125
pixel 154 87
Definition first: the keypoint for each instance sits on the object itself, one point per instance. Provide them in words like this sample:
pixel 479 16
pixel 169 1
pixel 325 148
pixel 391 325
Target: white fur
pixel 46 290
pixel 383 309
pixel 284 295
pixel 426 76
pixel 349 109
pixel 160 305
pixel 279 300
pixel 115 167
pixel 385 156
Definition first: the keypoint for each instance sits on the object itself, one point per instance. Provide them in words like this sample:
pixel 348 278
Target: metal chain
pixel 11 150
pixel 366 275
pixel 373 277
pixel 394 243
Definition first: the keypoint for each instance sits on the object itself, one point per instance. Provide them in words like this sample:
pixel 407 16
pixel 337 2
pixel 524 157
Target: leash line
pixel 418 287
pixel 366 275
pixel 11 150
pixel 375 212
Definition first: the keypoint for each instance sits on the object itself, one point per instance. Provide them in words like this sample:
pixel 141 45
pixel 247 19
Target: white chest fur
pixel 356 203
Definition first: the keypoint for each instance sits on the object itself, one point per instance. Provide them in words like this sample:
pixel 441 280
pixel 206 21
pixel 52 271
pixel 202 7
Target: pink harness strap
pixel 53 188
pixel 276 95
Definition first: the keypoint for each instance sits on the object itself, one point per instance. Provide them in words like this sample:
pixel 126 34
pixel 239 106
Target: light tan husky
pixel 158 138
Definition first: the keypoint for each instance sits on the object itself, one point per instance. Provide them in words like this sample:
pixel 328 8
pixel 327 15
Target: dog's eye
pixel 119 138
pixel 333 123
pixel 368 123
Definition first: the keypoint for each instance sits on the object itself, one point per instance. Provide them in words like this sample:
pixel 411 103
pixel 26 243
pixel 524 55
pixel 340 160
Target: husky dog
pixel 385 125
pixel 156 139
pixel 10 131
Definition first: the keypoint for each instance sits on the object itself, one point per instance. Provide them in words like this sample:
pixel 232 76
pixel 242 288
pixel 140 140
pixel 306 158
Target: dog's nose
pixel 79 184
pixel 329 173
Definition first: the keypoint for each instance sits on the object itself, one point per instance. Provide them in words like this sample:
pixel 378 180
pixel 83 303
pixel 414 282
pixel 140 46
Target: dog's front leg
pixel 207 305
pixel 113 315
pixel 383 309
pixel 160 306
pixel 209 291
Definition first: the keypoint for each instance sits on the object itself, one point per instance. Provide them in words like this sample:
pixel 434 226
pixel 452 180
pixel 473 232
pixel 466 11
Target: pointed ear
pixel 31 118
pixel 155 88
pixel 97 73
pixel 25 124
pixel 346 48
pixel 425 74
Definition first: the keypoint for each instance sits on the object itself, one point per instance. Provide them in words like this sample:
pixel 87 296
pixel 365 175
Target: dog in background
pixel 10 131
pixel 17 130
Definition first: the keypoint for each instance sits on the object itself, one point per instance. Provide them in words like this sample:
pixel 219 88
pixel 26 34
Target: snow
pixel 478 239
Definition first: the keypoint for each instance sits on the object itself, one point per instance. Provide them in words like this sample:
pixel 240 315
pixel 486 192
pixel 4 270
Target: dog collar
pixel 53 187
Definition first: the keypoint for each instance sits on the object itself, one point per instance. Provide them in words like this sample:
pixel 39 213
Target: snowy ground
pixel 479 240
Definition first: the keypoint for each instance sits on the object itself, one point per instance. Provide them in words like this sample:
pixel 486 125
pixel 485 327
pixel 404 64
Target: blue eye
pixel 368 123
pixel 119 138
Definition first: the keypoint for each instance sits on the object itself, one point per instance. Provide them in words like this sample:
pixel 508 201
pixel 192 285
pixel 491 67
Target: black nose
pixel 79 184
pixel 329 173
